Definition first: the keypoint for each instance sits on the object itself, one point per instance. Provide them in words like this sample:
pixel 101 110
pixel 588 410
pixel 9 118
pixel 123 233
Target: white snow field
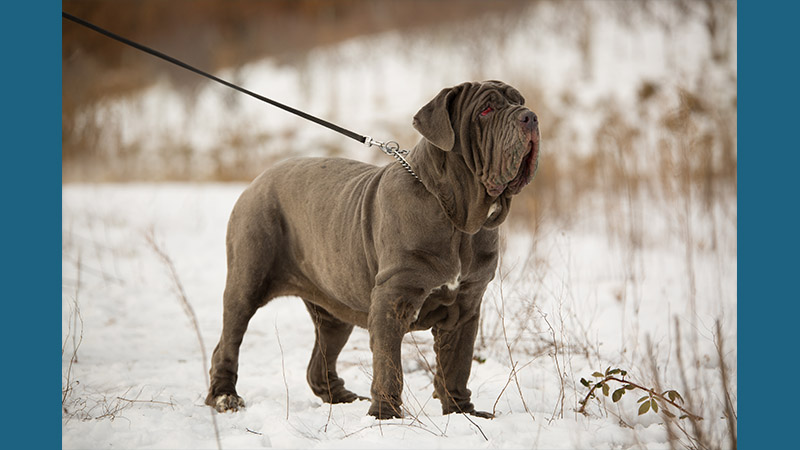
pixel 567 302
pixel 596 279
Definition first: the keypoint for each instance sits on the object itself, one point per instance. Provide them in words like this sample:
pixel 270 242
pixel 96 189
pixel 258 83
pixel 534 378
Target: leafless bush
pixel 101 406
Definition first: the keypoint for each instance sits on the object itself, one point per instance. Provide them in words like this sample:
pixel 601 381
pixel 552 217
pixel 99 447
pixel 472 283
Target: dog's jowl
pixel 374 247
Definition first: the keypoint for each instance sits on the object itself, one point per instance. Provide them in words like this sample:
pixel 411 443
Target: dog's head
pixel 483 132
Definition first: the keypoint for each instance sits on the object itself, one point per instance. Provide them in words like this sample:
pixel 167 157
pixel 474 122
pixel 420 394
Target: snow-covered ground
pixel 570 299
pixel 599 284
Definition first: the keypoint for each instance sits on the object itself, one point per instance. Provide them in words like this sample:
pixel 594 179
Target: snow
pixel 138 344
pixel 572 298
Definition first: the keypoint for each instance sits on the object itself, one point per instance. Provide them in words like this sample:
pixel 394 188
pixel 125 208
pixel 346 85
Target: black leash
pixel 391 148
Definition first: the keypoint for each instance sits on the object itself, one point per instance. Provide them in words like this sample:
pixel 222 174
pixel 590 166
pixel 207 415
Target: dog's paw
pixel 383 412
pixel 347 397
pixel 481 414
pixel 384 415
pixel 228 402
pixel 467 409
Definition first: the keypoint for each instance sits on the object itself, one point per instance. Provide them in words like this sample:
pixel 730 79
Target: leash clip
pixel 391 148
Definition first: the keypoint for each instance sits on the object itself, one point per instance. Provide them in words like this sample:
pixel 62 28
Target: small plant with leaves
pixel 652 401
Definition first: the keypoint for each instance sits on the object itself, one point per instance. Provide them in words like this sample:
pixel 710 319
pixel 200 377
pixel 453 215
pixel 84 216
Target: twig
pixel 508 382
pixel 283 369
pixel 508 347
pixel 730 414
pixel 668 421
pixel 73 329
pixel 430 369
pixel 75 343
pixel 648 390
pixel 146 401
pixel 466 416
pixel 447 393
pixel 562 393
pixel 187 307
pixel 699 435
pixel 317 325
pixel 380 425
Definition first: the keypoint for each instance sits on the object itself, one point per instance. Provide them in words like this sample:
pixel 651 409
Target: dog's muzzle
pixel 529 162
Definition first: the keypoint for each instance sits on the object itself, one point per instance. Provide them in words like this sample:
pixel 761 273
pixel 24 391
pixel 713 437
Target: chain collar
pixel 392 148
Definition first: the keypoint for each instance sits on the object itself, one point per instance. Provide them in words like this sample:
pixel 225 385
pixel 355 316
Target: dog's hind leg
pixel 249 286
pixel 225 359
pixel 331 334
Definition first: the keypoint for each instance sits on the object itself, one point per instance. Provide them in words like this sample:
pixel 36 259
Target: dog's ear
pixel 433 120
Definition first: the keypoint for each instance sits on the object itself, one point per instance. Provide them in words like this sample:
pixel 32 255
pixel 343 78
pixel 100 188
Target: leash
pixel 391 148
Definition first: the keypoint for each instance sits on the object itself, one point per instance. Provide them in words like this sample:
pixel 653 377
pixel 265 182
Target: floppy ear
pixel 433 120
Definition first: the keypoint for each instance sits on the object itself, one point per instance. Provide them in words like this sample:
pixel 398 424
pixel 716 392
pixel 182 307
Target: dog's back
pixel 302 224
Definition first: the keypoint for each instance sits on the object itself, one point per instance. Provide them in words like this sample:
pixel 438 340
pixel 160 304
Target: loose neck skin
pixel 426 160
pixel 459 191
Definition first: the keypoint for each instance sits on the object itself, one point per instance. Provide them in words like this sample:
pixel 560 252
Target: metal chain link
pixel 392 148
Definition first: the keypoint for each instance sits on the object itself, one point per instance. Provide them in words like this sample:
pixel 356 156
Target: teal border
pixel 767 196
pixel 31 212
pixel 768 206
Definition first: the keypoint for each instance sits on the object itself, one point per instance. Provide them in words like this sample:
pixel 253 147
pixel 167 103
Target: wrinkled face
pixel 481 147
pixel 504 137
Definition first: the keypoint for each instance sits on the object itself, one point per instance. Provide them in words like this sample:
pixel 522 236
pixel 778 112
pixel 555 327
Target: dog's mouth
pixel 526 170
pixel 524 174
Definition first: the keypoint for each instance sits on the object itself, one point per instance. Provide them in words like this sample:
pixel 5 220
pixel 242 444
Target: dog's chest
pixel 472 270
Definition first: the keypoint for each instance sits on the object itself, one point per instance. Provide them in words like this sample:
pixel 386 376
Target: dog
pixel 377 248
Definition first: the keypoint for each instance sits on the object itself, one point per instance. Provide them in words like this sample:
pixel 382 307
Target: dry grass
pixel 674 151
pixel 78 402
pixel 96 69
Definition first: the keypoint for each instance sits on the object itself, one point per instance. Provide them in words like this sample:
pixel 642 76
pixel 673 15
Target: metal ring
pixel 392 147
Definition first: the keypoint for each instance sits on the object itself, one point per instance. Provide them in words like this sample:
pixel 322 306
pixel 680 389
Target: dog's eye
pixel 487 110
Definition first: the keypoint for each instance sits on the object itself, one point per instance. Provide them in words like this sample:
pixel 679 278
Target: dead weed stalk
pixel 76 335
pixel 187 307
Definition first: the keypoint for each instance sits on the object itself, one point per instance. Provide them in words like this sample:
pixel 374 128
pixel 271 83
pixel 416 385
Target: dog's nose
pixel 529 120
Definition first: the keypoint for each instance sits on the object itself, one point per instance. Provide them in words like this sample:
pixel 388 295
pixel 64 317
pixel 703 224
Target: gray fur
pixel 375 248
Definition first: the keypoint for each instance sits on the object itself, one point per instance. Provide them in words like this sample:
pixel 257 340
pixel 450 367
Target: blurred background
pixel 636 99
pixel 627 233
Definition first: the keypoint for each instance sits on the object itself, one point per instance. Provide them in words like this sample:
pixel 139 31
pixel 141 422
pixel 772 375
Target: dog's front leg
pixel 454 349
pixel 390 313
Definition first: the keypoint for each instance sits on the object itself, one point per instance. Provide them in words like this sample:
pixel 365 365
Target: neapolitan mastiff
pixel 372 246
